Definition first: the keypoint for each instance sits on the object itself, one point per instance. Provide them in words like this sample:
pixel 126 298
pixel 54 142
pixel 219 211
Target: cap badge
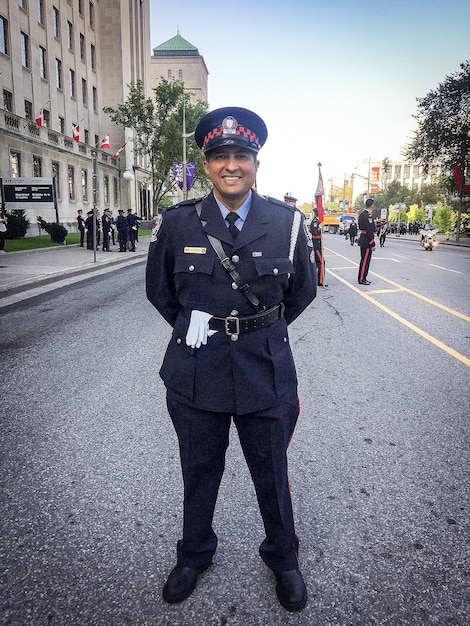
pixel 229 125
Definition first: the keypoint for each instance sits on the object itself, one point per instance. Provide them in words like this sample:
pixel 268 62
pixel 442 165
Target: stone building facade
pixel 61 62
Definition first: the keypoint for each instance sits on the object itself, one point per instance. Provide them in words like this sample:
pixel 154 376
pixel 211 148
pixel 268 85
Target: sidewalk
pixel 22 272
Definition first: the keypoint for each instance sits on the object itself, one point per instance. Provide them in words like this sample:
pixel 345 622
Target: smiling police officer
pixel 229 272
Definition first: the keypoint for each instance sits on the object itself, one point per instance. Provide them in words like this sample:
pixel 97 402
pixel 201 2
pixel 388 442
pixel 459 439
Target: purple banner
pixel 178 172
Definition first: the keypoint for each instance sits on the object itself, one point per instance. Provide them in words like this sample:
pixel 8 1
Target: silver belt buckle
pixel 227 322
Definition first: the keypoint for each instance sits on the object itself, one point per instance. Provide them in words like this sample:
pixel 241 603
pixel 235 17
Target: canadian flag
pixel 116 154
pixel 39 118
pixel 76 132
pixel 105 142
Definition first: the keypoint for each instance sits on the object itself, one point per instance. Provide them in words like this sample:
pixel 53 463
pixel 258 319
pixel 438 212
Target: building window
pixel 115 191
pixel 80 7
pixel 84 92
pixel 82 47
pixel 28 110
pixel 92 15
pixel 58 74
pixel 62 124
pixel 24 45
pixel 40 10
pixel 56 176
pixel 169 73
pixel 4 47
pixel 15 164
pixel 8 100
pixel 106 189
pixel 42 62
pixel 23 4
pixel 180 74
pixel 71 181
pixel 37 166
pixel 72 83
pixel 87 137
pixel 56 22
pixel 84 186
pixel 406 171
pixel 93 57
pixel 46 118
pixel 70 36
pixel 95 100
pixel 397 172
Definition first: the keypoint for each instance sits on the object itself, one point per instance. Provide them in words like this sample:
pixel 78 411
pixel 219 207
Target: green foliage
pixel 158 126
pixel 57 232
pixel 443 134
pixel 443 218
pixel 17 224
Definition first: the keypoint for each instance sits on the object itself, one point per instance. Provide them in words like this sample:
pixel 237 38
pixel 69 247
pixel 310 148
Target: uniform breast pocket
pixel 194 277
pixel 277 267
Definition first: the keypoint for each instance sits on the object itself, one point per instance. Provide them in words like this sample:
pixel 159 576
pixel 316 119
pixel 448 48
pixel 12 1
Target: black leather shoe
pixel 365 282
pixel 291 590
pixel 180 584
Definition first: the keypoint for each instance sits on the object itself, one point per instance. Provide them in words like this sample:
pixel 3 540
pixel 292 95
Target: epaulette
pixel 186 203
pixel 279 203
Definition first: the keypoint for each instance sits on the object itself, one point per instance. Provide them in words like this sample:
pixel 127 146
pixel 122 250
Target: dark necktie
pixel 231 219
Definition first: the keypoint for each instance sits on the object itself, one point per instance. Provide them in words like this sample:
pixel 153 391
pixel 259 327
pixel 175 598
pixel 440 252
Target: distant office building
pixel 180 60
pixel 370 177
pixel 61 62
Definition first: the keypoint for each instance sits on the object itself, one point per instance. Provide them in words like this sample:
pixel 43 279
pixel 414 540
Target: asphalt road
pixel 90 502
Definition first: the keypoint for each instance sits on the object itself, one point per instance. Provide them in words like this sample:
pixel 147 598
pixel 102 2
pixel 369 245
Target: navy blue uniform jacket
pixel 184 273
pixel 366 223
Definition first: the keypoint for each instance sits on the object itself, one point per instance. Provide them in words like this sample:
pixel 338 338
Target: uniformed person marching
pixel 229 355
pixel 366 241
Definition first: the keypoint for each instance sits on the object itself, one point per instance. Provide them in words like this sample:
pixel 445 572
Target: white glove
pixel 198 330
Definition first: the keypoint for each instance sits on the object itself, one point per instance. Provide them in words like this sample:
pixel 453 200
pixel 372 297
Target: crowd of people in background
pixel 123 228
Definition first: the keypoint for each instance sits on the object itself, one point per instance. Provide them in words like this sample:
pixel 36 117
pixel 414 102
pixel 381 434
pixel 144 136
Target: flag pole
pixel 322 267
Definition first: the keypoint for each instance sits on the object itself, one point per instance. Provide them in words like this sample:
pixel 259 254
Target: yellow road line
pixel 409 291
pixel 460 357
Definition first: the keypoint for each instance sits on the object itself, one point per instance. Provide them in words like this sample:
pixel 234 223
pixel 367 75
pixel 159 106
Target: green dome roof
pixel 176 46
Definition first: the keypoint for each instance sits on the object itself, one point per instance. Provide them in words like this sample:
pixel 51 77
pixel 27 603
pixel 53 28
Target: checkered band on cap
pixel 240 131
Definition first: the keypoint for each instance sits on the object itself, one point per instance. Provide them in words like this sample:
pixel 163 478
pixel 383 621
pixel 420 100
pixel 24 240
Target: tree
pixel 17 225
pixel 443 134
pixel 158 131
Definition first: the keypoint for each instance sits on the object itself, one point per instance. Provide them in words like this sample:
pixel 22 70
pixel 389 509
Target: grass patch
pixel 44 241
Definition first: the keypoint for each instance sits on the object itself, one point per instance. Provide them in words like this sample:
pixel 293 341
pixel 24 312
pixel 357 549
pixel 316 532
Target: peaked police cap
pixel 231 126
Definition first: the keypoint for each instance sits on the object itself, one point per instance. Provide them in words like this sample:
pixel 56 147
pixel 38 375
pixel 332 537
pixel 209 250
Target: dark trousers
pixel 366 253
pixel 132 234
pixel 105 240
pixel 203 440
pixel 122 237
pixel 82 236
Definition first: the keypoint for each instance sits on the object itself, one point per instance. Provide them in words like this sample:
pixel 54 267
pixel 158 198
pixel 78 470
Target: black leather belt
pixel 235 325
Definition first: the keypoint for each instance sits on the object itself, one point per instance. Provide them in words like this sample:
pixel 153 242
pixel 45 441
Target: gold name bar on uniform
pixel 189 250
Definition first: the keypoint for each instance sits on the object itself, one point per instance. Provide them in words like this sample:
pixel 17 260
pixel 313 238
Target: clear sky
pixel 335 81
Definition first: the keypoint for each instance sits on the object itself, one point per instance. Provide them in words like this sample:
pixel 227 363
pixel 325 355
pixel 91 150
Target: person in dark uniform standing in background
pixel 81 226
pixel 106 223
pixel 89 230
pixel 352 232
pixel 133 224
pixel 366 241
pixel 229 355
pixel 122 228
pixel 315 231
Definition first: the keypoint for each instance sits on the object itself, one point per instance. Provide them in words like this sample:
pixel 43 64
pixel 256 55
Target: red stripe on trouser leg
pixel 364 264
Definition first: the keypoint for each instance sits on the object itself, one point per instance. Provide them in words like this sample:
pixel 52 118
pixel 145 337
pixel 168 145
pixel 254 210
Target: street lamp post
pixel 185 136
